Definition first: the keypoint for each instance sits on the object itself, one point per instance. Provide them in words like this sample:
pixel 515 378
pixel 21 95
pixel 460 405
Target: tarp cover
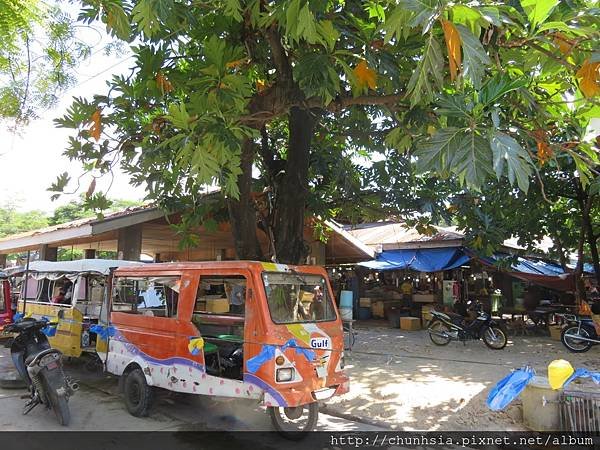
pixel 421 260
pixel 536 271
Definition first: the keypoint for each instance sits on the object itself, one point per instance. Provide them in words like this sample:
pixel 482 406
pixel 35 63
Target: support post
pixel 129 243
pixel 47 253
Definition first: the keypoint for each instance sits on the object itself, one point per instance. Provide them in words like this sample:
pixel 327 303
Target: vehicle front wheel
pixel 294 423
pixel 570 338
pixel 138 395
pixel 495 337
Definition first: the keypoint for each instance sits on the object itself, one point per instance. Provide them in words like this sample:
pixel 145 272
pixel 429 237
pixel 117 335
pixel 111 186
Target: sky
pixel 31 159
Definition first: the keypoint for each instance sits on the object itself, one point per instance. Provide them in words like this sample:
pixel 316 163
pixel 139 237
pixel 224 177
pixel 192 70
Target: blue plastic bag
pixel 509 388
pixel 583 373
pixel 266 354
pixel 103 332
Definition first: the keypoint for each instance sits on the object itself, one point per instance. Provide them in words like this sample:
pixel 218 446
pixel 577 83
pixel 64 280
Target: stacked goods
pixel 365 302
pixel 217 305
pixel 377 309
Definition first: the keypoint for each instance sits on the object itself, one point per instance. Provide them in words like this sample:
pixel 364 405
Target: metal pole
pixel 26 281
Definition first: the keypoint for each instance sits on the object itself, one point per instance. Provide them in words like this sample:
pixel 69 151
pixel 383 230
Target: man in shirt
pixel 237 295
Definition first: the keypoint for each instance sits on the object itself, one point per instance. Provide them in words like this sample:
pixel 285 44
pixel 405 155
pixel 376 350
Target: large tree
pixel 221 88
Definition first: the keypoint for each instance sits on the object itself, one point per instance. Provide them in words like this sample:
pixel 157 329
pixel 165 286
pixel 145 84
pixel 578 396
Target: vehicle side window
pixel 225 295
pixel 149 296
pixel 2 299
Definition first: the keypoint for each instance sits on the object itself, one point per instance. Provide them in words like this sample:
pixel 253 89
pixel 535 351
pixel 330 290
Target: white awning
pixel 99 266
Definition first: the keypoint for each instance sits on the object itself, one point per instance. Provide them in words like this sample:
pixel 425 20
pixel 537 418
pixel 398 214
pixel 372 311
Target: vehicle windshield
pixel 298 298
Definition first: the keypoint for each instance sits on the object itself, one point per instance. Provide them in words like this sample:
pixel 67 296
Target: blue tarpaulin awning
pixel 421 260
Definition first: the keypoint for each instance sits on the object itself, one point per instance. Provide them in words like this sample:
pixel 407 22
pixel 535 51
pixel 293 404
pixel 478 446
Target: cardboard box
pixel 410 323
pixel 365 302
pixel 555 331
pixel 377 309
pixel 217 305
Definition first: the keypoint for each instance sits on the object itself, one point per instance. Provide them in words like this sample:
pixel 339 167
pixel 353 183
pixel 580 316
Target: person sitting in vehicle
pixel 60 298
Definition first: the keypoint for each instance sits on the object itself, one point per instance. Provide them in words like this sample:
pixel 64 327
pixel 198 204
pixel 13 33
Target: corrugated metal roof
pixel 79 223
pixel 379 233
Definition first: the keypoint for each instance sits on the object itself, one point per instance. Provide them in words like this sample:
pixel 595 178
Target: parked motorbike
pixel 41 367
pixel 444 328
pixel 580 334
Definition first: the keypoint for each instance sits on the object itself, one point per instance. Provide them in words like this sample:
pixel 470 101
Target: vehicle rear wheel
pixel 570 335
pixel 138 395
pixel 59 403
pixel 439 333
pixel 294 423
pixel 495 337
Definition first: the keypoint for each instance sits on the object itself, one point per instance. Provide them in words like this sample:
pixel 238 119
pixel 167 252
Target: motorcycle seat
pixel 31 358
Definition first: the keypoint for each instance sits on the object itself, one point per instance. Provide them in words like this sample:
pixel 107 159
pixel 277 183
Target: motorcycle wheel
pixel 569 339
pixel 294 423
pixel 436 329
pixel 58 403
pixel 494 337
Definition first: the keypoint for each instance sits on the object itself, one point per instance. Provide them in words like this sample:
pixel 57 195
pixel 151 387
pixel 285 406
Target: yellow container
pixel 559 371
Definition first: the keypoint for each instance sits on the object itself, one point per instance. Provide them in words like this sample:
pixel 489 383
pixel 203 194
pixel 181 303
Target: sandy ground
pixel 402 379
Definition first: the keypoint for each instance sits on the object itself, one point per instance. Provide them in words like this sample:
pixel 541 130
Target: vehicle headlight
pixel 286 374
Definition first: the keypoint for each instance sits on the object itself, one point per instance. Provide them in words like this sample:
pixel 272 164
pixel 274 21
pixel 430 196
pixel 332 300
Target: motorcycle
pixel 580 333
pixel 444 328
pixel 41 367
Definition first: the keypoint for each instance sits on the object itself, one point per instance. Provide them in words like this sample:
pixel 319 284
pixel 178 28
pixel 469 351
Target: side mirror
pixel 61 314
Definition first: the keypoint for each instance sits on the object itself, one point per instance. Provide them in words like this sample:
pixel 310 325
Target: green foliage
pixel 38 54
pixel 13 221
pixel 216 77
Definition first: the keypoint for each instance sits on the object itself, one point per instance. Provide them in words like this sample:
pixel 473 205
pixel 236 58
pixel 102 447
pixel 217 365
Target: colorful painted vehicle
pixel 71 293
pixel 252 330
pixel 6 308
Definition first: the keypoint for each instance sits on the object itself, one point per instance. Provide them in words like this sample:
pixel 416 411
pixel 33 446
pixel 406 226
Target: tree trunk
pixel 591 239
pixel 292 190
pixel 242 213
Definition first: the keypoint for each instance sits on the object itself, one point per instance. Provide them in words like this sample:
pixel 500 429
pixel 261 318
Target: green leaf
pixel 468 17
pixel 179 116
pixel 398 139
pixel 472 160
pixel 454 106
pixel 117 22
pixel 307 26
pixel 437 152
pixel 397 24
pixel 426 12
pixel 233 9
pixel 475 58
pixel 562 26
pixel 506 150
pixel 146 17
pixel 329 34
pixel 429 71
pixel 538 10
pixel 495 88
pixel 61 182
